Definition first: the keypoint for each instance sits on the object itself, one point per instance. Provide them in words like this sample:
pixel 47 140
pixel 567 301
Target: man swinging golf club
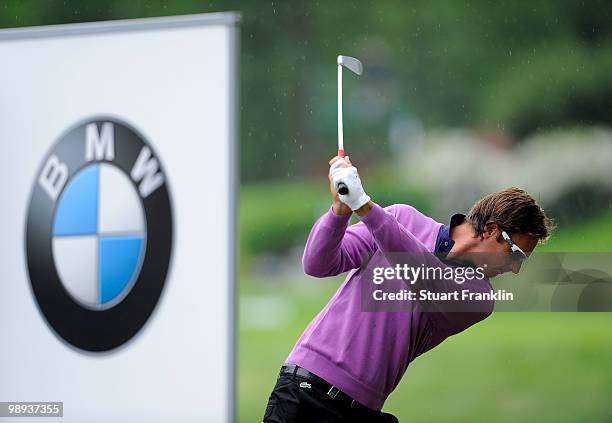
pixel 348 361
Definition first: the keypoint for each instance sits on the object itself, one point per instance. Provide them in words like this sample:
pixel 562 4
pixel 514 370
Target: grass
pixel 513 367
pixel 592 236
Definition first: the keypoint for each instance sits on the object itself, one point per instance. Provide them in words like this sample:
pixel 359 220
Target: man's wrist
pixel 341 209
pixel 365 209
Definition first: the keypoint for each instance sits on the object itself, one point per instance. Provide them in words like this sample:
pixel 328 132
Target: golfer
pixel 347 361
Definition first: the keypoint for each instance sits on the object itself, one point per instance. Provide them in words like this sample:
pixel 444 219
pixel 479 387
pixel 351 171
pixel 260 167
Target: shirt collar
pixel 444 242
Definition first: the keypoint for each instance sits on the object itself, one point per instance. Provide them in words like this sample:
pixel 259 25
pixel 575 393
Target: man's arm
pixel 400 246
pixel 391 237
pixel 334 247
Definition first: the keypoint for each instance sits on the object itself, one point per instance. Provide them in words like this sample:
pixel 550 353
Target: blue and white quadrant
pixel 99 236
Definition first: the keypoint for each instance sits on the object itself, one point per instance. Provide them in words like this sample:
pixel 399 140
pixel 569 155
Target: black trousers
pixel 295 399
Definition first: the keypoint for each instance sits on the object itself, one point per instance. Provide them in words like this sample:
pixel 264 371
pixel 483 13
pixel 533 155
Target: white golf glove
pixel 356 196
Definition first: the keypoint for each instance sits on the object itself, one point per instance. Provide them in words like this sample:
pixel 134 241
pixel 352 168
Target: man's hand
pixel 338 207
pixel 342 170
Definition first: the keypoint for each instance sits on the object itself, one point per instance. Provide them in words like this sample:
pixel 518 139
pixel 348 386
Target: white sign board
pixel 117 295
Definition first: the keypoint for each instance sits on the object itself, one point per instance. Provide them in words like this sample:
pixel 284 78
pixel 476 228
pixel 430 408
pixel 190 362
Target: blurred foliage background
pixel 457 99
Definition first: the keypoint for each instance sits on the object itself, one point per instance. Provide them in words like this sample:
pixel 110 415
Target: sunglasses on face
pixel 516 254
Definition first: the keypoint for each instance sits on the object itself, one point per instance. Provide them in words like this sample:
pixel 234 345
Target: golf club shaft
pixel 340 128
pixel 342 188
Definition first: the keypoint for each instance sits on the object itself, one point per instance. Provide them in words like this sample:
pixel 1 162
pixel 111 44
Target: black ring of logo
pixel 87 329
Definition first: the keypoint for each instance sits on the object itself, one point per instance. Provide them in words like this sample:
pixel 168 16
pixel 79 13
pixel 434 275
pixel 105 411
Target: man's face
pixel 497 251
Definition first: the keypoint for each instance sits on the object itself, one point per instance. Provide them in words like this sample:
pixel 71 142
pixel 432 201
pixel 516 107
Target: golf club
pixel 355 66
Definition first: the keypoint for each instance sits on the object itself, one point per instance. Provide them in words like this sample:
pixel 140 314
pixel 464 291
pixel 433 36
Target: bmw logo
pixel 99 234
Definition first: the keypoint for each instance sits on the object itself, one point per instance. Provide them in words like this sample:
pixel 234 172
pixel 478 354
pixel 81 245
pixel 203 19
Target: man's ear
pixel 490 230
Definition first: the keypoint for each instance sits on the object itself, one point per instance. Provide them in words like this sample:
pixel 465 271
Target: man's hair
pixel 514 211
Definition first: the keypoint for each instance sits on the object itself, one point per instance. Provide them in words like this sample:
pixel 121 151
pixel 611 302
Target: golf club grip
pixel 342 188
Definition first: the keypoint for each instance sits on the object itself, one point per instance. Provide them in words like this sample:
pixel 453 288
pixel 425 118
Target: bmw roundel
pixel 99 234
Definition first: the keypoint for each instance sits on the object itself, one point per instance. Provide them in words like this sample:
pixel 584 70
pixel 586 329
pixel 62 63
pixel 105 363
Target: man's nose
pixel 516 267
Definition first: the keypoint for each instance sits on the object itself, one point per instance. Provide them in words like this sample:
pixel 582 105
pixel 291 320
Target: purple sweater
pixel 365 354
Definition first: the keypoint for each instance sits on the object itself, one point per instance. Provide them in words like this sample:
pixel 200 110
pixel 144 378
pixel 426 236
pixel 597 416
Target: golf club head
pixel 354 65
